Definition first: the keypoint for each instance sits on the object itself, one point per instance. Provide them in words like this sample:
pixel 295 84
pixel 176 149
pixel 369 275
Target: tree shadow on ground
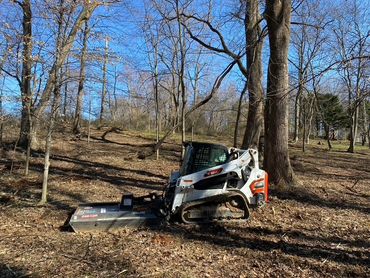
pixel 17 196
pixel 306 196
pixel 220 235
pixel 309 167
pixel 337 159
pixel 299 235
pixel 93 174
pixel 166 150
pixel 94 164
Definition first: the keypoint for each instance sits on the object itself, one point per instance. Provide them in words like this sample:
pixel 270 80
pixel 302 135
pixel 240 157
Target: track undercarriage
pixel 229 206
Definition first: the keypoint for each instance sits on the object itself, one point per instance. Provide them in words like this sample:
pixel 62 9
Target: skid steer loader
pixel 214 183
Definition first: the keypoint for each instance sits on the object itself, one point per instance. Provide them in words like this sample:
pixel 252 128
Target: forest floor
pixel 320 228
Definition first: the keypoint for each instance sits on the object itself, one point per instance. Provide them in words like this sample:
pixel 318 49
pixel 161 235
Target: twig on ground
pixel 82 260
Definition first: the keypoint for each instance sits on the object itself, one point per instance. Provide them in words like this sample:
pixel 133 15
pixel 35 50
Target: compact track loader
pixel 214 183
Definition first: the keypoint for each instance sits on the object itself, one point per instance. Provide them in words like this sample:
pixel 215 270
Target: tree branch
pixel 216 86
pixel 14 76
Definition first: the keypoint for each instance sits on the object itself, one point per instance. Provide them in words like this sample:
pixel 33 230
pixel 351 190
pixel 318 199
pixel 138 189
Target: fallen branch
pixel 112 129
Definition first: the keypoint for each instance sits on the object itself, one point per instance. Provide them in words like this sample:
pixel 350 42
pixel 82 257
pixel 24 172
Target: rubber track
pixel 213 199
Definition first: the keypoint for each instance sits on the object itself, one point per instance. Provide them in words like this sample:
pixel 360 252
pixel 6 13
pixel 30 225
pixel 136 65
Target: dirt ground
pixel 320 228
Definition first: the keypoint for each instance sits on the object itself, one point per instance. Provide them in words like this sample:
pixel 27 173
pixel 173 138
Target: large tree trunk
pixel 254 79
pixel 26 91
pixel 182 78
pixel 276 158
pixel 81 82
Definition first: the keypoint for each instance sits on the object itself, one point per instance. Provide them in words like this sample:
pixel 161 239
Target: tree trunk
pixel 195 95
pixel 1 112
pixel 238 113
pixel 26 91
pixel 353 130
pixel 327 135
pixel 276 158
pixel 89 123
pixel 81 82
pixel 156 82
pixel 255 75
pixel 304 125
pixel 115 106
pixel 104 87
pixel 48 142
pixel 66 81
pixel 181 78
pixel 365 123
pixel 310 118
pixel 55 107
pixel 296 117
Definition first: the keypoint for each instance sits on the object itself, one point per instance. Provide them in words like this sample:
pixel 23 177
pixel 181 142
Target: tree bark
pixel 81 82
pixel 254 45
pixel 181 42
pixel 26 92
pixel 276 158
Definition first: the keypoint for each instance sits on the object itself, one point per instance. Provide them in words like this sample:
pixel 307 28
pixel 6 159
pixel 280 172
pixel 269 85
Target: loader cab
pixel 199 156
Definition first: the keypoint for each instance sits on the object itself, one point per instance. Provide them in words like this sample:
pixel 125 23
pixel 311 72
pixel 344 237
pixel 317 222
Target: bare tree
pixel 52 85
pixel 253 72
pixel 152 37
pixel 352 41
pixel 182 49
pixel 308 41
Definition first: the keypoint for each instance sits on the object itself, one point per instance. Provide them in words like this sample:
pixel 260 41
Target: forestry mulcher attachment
pixel 214 183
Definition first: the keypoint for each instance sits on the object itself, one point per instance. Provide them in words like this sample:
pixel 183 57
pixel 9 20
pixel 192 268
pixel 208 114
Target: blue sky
pixel 122 23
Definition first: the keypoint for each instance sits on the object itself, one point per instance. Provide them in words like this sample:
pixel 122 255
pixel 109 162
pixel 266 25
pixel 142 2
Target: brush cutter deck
pixel 131 212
